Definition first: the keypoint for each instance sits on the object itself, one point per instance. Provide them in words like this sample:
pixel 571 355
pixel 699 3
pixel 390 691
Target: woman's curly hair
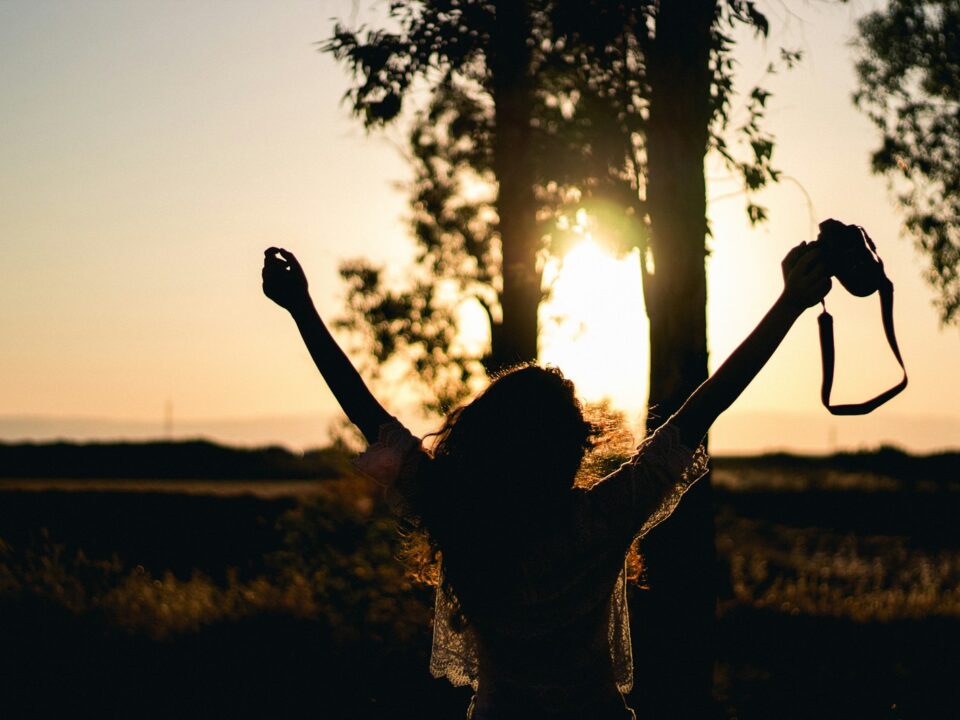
pixel 502 466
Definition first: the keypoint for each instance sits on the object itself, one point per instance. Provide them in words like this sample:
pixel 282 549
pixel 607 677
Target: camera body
pixel 851 257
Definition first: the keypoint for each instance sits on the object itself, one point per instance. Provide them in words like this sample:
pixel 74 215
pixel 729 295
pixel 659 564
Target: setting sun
pixel 595 328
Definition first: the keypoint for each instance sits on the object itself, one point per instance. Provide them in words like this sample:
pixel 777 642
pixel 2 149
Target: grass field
pixel 841 600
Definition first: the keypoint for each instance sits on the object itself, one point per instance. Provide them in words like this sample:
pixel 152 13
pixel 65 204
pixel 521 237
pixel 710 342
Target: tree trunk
pixel 676 616
pixel 509 64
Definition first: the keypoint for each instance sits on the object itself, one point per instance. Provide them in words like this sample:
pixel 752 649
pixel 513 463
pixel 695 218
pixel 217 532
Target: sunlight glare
pixel 594 327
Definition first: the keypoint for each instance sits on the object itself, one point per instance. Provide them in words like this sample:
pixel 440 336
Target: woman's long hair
pixel 503 465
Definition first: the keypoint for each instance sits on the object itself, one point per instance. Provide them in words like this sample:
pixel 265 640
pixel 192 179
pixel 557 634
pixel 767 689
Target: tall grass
pixel 821 572
pixel 337 566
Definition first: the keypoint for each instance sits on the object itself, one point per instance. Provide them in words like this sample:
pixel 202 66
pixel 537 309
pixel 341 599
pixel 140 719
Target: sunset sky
pixel 150 151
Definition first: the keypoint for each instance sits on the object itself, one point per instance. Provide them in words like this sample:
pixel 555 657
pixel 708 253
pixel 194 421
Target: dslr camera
pixel 852 258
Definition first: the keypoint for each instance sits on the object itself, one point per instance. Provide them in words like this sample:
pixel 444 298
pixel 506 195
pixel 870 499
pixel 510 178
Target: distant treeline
pixel 887 462
pixel 204 460
pixel 195 460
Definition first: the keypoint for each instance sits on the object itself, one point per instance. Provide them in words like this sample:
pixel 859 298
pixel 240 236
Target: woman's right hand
pixel 283 279
pixel 806 280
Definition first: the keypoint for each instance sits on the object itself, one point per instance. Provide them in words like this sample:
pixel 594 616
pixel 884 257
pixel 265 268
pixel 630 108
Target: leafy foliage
pixel 590 99
pixel 757 170
pixel 909 86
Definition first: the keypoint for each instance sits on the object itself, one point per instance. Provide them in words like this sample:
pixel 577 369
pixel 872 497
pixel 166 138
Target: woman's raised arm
pixel 284 282
pixel 806 282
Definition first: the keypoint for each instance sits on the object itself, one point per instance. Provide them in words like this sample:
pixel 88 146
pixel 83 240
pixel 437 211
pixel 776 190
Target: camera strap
pixel 825 321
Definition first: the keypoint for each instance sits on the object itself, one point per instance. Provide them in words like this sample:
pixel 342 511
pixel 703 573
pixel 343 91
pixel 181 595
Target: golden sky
pixel 150 151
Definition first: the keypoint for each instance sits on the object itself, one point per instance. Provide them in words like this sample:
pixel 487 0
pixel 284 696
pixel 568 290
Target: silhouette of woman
pixel 531 607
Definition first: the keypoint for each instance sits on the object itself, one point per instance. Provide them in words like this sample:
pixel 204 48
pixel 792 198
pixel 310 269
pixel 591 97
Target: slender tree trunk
pixel 676 616
pixel 509 63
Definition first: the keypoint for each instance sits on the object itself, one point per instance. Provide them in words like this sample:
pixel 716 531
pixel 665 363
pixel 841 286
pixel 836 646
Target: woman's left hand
pixel 806 280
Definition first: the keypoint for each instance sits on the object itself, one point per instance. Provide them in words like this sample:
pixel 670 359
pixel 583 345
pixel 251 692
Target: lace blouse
pixel 574 602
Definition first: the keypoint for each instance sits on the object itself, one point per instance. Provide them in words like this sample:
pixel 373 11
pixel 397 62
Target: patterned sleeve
pixel 392 462
pixel 645 490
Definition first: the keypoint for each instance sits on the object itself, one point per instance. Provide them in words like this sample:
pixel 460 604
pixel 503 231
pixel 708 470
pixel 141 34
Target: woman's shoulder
pixel 394 461
pixel 646 488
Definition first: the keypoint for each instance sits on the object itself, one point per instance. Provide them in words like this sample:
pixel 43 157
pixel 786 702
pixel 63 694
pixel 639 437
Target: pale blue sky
pixel 149 151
